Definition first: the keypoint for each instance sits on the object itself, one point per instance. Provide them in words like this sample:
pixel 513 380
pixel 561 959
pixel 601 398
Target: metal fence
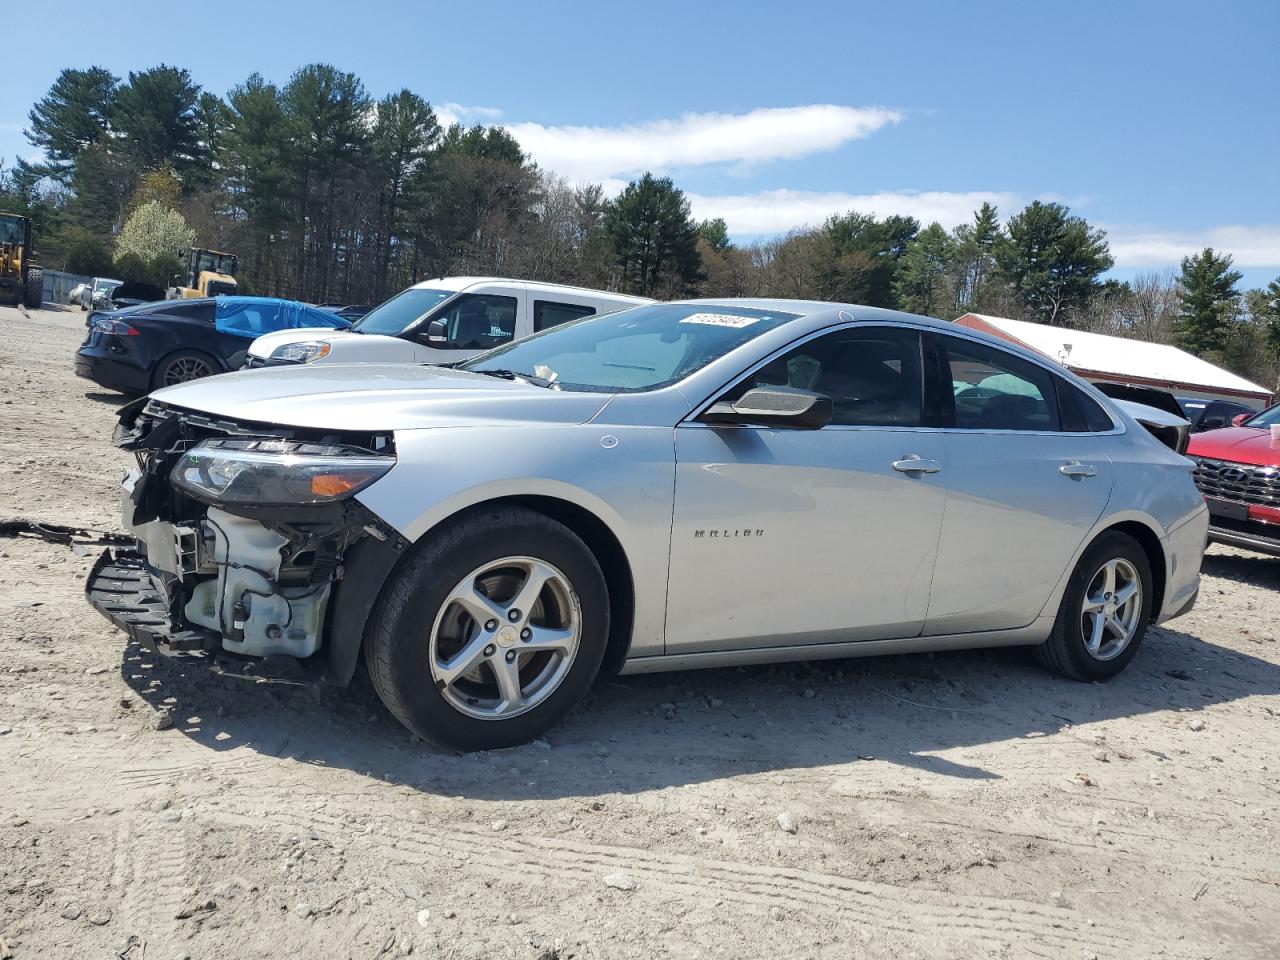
pixel 58 284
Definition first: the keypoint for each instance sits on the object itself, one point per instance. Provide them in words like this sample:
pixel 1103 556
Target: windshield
pixel 11 230
pixel 1265 419
pixel 216 262
pixel 101 286
pixel 401 311
pixel 634 350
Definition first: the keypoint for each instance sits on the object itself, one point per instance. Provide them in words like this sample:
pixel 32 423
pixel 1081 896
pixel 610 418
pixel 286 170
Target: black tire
pixel 1065 652
pixel 33 294
pixel 170 367
pixel 397 640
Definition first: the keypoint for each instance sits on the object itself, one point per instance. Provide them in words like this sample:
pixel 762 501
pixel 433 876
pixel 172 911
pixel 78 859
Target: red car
pixel 1238 471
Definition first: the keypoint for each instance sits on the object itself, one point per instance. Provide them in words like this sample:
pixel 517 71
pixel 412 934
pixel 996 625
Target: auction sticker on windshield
pixel 721 320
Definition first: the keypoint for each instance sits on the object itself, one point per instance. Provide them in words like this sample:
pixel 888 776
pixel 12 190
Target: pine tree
pixel 71 117
pixel 975 265
pixel 1053 260
pixel 155 116
pixel 921 284
pixel 862 255
pixel 404 134
pixel 654 238
pixel 1209 301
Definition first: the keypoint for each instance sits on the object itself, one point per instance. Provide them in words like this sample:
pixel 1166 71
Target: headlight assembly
pixel 276 471
pixel 304 351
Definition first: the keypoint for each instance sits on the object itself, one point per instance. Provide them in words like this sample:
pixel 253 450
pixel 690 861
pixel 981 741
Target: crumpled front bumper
pixel 122 590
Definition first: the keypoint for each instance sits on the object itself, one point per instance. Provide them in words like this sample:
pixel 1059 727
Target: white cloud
pixel 777 211
pixel 1249 246
pixel 698 139
pixel 451 113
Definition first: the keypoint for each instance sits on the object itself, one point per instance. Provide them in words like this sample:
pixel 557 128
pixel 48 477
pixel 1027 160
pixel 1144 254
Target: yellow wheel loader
pixel 21 281
pixel 210 273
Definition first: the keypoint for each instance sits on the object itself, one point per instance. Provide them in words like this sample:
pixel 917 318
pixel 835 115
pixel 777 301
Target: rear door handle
pixel 912 463
pixel 1076 469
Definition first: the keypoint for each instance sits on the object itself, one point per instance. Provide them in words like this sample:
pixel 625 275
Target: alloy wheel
pixel 505 638
pixel 1112 609
pixel 185 368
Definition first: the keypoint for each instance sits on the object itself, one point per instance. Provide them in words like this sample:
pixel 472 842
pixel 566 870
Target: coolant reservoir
pixel 242 604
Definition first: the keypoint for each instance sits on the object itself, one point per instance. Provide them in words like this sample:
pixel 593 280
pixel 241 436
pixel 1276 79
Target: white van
pixel 440 321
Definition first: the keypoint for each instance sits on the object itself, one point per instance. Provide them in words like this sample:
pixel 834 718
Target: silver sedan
pixel 677 485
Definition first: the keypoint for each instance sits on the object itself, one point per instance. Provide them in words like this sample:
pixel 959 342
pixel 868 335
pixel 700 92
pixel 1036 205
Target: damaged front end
pixel 244 532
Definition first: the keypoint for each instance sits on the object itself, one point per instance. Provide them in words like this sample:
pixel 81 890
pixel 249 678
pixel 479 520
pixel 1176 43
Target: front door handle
pixel 912 463
pixel 1077 470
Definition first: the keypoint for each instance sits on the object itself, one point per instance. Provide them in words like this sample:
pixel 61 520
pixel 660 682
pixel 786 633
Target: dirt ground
pixel 961 805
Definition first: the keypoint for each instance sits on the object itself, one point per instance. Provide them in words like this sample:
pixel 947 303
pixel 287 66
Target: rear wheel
pixel 181 367
pixel 1104 613
pixel 33 295
pixel 491 632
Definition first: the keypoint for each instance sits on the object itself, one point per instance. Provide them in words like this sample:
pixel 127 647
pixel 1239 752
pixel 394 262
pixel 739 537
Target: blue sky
pixel 1159 121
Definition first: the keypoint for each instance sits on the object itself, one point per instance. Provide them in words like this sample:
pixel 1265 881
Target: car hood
pixel 370 396
pixel 1237 444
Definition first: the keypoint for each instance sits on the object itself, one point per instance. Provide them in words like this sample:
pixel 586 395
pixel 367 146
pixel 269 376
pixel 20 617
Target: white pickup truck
pixel 440 321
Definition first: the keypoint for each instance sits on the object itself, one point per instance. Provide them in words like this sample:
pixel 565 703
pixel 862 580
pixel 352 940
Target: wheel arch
pixel 1152 546
pixel 600 539
pixel 1142 529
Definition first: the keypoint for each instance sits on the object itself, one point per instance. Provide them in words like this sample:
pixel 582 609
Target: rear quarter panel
pixel 167 334
pixel 1153 487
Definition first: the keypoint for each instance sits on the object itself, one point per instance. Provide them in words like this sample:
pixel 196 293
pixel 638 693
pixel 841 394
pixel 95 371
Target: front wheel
pixel 491 632
pixel 33 294
pixel 1104 613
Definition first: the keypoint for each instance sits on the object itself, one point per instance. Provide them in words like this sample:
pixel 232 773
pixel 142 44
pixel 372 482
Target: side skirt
pixel 1031 635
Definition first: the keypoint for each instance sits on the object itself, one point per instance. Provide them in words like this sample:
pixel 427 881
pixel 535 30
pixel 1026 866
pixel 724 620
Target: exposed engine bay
pixel 243 528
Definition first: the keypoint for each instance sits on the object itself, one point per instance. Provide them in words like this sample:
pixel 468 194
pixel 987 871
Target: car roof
pixel 460 284
pixel 856 312
pixel 816 315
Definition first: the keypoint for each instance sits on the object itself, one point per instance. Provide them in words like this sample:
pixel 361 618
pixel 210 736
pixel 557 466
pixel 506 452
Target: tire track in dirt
pixel 913 914
pixel 149 876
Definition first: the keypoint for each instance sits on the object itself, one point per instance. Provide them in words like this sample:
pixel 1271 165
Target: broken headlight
pixel 276 471
pixel 303 351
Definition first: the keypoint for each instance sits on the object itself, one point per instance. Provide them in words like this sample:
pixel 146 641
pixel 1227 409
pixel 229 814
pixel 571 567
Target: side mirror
pixel 1240 418
pixel 774 407
pixel 437 332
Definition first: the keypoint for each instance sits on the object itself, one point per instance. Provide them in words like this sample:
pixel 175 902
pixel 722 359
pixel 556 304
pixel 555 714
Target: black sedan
pixel 155 345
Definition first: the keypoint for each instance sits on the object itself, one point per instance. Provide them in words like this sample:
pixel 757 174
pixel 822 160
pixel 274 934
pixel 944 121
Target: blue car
pixel 143 348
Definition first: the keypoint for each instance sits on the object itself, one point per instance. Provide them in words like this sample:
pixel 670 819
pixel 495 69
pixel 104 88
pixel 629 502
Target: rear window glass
pixel 549 313
pixel 994 390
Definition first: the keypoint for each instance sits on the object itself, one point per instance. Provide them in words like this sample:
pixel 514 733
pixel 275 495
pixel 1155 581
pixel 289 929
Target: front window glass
pixel 402 311
pixel 475 322
pixel 634 350
pixel 872 376
pixel 994 390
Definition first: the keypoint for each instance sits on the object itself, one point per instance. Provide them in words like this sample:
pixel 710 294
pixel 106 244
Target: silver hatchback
pixel 677 485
